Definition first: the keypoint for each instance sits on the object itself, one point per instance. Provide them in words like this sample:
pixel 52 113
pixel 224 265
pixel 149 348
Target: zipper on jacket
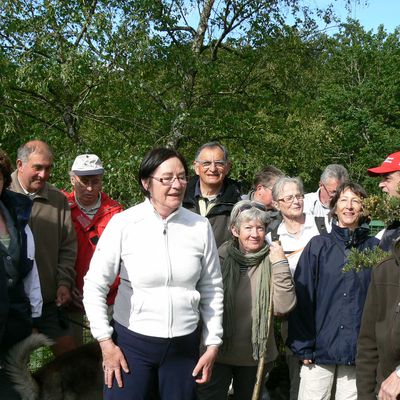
pixel 168 279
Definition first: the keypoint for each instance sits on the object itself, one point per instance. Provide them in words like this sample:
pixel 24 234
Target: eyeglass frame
pixel 220 164
pixel 182 180
pixel 90 183
pixel 330 193
pixel 299 197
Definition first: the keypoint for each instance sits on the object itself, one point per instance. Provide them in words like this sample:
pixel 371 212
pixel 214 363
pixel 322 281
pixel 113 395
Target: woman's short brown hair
pixel 5 168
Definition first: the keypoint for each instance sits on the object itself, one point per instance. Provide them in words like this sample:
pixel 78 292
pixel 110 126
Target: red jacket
pixel 88 232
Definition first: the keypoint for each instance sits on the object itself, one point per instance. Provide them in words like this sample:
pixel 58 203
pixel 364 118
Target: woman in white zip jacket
pixel 170 295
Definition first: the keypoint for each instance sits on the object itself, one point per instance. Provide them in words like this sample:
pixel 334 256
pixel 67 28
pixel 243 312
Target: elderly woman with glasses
pixel 257 284
pixel 324 326
pixel 294 232
pixel 171 284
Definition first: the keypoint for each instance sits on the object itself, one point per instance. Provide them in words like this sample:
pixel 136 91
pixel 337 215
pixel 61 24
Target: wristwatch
pixel 397 370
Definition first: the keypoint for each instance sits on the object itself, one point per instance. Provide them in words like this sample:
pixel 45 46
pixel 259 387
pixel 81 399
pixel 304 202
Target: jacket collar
pixel 349 237
pixel 16 186
pixel 230 191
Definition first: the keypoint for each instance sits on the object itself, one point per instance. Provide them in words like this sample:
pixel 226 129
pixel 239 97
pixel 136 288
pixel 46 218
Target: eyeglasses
pixel 169 181
pixel 331 193
pixel 89 182
pixel 290 199
pixel 220 164
pixel 253 204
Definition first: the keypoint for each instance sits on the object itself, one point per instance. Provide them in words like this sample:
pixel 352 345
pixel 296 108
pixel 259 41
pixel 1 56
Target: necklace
pixel 293 233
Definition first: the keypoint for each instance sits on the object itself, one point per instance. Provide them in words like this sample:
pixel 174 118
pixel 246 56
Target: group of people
pixel 181 290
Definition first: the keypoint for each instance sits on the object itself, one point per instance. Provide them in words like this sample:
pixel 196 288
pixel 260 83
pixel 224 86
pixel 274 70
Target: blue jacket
pixel 324 325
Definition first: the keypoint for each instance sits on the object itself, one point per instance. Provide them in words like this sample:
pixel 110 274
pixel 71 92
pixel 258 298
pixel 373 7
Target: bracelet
pixel 104 339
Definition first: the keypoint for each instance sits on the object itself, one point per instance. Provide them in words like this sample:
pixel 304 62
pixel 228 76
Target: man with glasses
pixel 389 172
pixel 55 239
pixel 91 210
pixel 211 193
pixel 317 203
pixel 261 192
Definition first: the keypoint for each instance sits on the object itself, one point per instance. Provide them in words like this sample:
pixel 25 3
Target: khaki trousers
pixel 317 382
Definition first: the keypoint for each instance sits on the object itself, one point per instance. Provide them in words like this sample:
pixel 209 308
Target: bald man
pixel 55 240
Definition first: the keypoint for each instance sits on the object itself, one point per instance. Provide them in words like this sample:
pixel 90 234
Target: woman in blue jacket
pixel 324 326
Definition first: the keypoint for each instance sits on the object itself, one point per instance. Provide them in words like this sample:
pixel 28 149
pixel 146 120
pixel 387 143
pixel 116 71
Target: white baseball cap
pixel 87 164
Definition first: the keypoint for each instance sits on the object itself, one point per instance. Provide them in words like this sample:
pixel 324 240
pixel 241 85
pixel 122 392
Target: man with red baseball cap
pixel 389 172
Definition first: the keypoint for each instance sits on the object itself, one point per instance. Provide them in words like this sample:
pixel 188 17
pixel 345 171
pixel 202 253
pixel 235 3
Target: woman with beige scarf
pixel 257 284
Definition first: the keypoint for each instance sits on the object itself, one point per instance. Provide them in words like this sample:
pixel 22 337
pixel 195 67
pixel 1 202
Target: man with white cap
pixel 91 210
pixel 389 172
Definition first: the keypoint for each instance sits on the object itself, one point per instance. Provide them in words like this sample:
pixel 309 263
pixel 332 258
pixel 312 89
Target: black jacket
pixel 392 232
pixel 220 213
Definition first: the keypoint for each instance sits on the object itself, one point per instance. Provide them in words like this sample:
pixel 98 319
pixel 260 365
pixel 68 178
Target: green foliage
pixel 119 77
pixel 383 207
pixel 368 258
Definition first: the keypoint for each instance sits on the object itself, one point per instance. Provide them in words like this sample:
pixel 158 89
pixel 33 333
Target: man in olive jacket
pixel 378 350
pixel 55 239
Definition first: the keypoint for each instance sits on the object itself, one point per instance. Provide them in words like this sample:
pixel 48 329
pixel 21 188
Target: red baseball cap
pixel 390 164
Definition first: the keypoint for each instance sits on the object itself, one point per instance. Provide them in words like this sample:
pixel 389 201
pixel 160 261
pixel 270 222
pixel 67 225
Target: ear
pixel 146 183
pixel 228 167
pixel 258 188
pixel 275 204
pixel 234 231
pixel 19 165
pixel 196 167
pixel 72 180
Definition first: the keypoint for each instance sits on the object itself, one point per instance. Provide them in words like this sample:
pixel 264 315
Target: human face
pixel 166 199
pixel 263 194
pixel 212 175
pixel 390 184
pixel 349 209
pixel 293 208
pixel 251 236
pixel 87 188
pixel 327 191
pixel 35 172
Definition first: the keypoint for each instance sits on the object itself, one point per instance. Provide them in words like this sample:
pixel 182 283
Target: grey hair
pixel 24 151
pixel 238 216
pixel 267 175
pixel 212 145
pixel 334 171
pixel 281 182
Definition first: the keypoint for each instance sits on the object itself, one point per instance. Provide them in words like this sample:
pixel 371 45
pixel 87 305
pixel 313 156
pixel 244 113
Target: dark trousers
pixel 158 366
pixel 244 379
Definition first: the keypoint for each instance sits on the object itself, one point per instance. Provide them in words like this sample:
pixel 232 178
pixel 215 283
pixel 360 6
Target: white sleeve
pixel 31 281
pixel 380 233
pixel 211 291
pixel 103 270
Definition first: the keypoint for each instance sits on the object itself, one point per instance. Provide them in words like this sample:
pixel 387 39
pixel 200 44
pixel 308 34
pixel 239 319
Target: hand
pixel 113 361
pixel 390 388
pixel 276 252
pixel 204 366
pixel 63 295
pixel 308 362
pixel 76 298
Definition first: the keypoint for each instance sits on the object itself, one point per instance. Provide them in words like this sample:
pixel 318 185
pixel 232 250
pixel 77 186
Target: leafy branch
pixel 383 207
pixel 358 260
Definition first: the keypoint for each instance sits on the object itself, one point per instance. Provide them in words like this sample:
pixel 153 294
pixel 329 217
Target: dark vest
pixel 15 309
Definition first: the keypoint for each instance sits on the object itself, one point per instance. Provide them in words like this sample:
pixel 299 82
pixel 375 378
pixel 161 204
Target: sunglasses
pixel 251 205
